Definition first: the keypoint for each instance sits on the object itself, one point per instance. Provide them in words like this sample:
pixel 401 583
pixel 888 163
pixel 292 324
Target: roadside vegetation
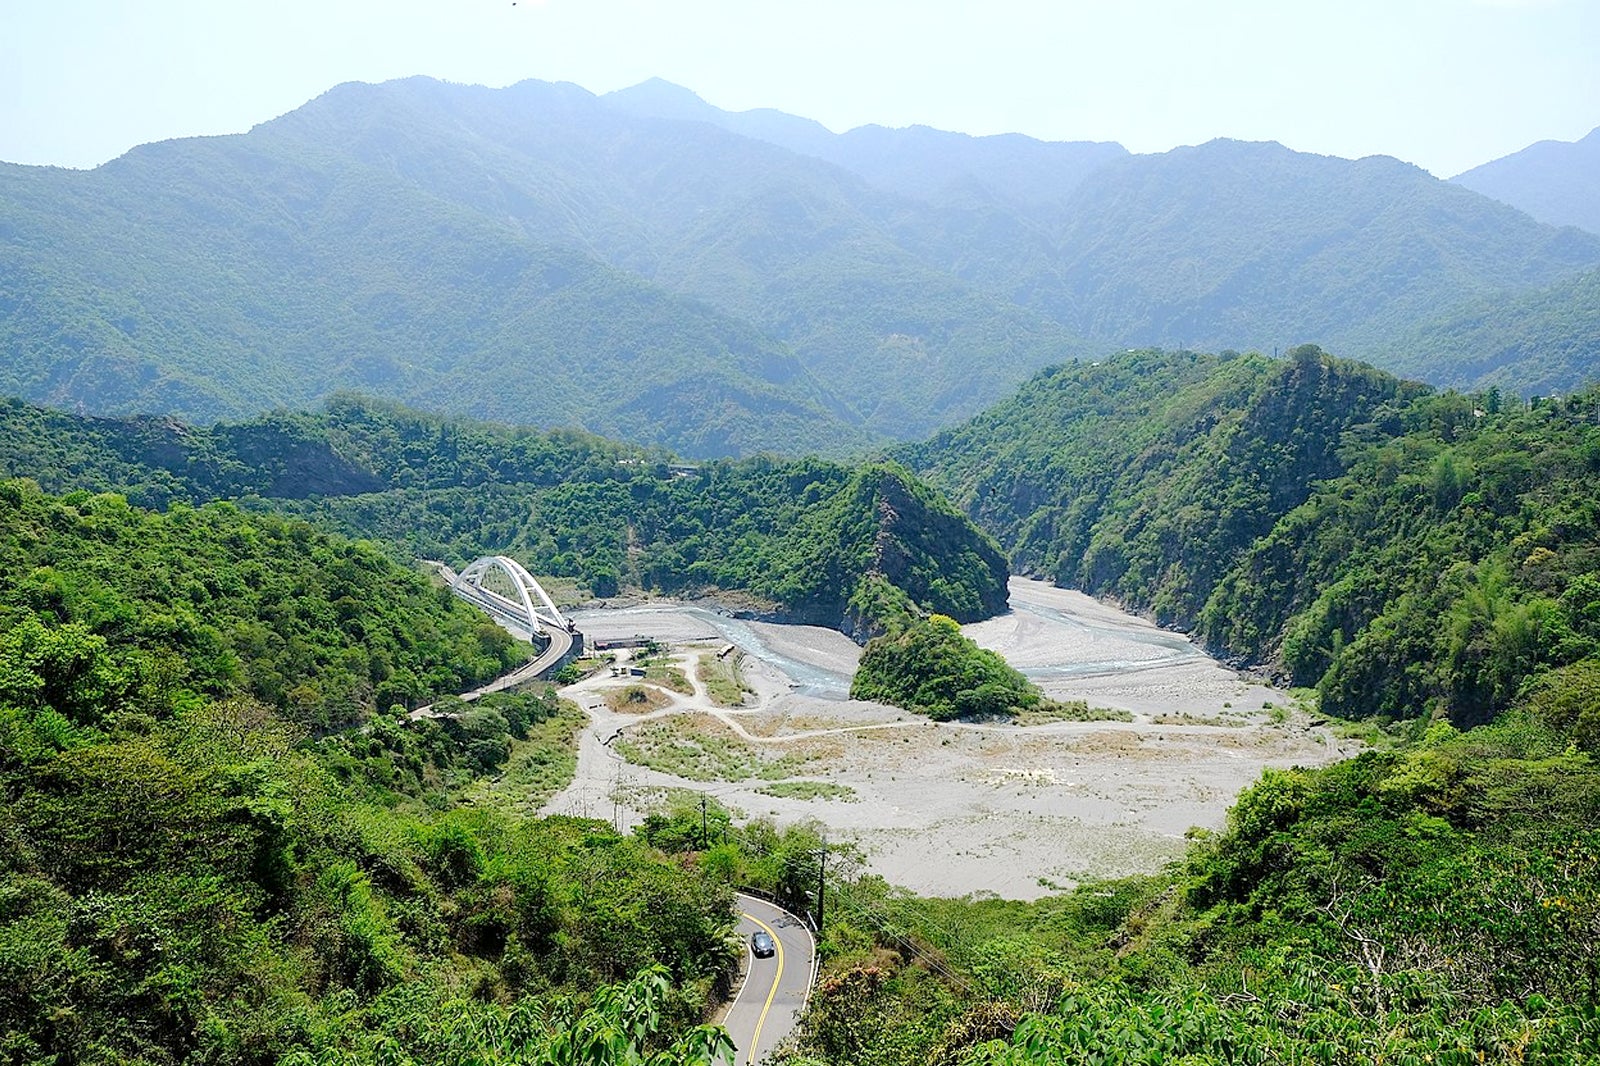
pixel 192 873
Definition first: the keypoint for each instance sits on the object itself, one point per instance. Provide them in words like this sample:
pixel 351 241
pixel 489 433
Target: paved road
pixel 560 644
pixel 775 989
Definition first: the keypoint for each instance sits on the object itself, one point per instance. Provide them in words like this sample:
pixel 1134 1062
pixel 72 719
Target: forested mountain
pixel 1535 343
pixel 813 540
pixel 440 242
pixel 1398 549
pixel 932 165
pixel 715 284
pixel 230 275
pixel 1557 182
pixel 1241 245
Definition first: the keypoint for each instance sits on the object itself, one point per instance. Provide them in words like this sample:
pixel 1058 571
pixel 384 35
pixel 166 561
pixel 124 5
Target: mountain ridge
pixel 1556 182
pixel 541 254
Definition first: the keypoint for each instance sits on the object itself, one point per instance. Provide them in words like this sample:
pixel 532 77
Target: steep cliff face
pixel 909 552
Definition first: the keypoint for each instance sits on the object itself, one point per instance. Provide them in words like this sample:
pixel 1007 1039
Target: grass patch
pixel 1185 718
pixel 669 677
pixel 578 669
pixel 809 790
pixel 1375 734
pixel 698 748
pixel 723 679
pixel 1069 711
pixel 635 699
pixel 539 766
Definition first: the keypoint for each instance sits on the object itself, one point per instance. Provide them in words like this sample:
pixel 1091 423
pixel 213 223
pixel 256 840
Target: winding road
pixel 775 990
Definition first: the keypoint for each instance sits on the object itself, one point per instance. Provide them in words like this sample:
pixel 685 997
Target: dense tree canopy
pixel 212 602
pixel 1397 549
pixel 815 540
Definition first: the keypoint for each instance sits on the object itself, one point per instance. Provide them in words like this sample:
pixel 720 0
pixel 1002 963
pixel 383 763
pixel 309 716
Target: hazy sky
pixel 1446 84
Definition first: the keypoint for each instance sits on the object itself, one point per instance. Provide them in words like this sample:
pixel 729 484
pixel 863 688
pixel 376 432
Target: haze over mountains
pixel 1557 182
pixel 649 267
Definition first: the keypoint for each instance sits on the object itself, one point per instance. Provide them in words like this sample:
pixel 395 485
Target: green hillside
pixel 1398 550
pixel 1533 343
pixel 213 602
pixel 1557 182
pixel 188 876
pixel 539 255
pixel 809 539
pixel 1243 245
pixel 272 274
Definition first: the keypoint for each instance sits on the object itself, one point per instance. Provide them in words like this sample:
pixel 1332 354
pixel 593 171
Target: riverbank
pixel 949 809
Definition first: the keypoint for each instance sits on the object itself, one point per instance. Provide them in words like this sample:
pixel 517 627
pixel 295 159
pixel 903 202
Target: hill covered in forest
pixel 1557 182
pixel 809 539
pixel 1533 343
pixel 1398 549
pixel 644 266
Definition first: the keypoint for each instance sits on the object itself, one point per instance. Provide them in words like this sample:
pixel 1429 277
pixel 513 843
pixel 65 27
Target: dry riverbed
pixel 945 809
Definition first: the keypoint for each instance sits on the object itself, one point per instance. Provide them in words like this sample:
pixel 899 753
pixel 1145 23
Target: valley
pixel 943 808
pixel 959 558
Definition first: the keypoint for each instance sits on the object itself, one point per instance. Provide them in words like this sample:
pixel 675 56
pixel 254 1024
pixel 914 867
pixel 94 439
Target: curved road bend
pixel 560 644
pixel 775 990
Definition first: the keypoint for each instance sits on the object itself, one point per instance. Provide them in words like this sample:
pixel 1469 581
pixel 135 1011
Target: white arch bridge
pixel 504 590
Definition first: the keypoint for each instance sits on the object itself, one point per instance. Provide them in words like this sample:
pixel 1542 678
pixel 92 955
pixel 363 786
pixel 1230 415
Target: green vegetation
pixel 671 677
pixel 1530 343
pixel 212 602
pixel 1144 477
pixel 1239 244
pixel 540 763
pixel 275 268
pixel 809 790
pixel 524 738
pixel 189 873
pixel 1399 551
pixel 928 666
pixel 815 541
pixel 635 699
pixel 1434 904
pixel 723 679
pixel 1047 711
pixel 699 748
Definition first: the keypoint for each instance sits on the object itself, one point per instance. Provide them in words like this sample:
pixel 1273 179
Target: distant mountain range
pixel 650 267
pixel 1557 182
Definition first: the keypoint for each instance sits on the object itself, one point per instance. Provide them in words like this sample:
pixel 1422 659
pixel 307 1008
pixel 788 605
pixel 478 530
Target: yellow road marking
pixel 755 1038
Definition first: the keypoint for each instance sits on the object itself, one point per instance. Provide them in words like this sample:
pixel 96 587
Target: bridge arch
pixel 522 610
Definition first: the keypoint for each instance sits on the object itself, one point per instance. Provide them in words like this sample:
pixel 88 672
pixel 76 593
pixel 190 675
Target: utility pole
pixel 705 839
pixel 822 867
